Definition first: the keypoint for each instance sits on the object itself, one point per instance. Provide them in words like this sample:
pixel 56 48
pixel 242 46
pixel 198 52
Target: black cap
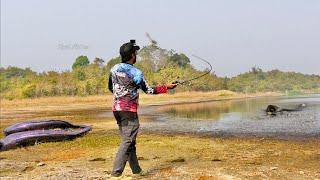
pixel 128 48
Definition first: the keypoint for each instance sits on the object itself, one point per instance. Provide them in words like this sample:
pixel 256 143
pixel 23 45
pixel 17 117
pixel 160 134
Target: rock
pixel 301 172
pixel 155 157
pixel 179 159
pixel 263 175
pixel 142 158
pixel 216 159
pixel 95 177
pixel 74 171
pixel 41 164
pixel 98 159
pixel 107 171
pixel 273 168
pixel 27 168
pixel 206 177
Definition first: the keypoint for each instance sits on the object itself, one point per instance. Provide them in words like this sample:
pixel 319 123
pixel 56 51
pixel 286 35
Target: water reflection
pixel 240 117
pixel 217 109
pixel 197 110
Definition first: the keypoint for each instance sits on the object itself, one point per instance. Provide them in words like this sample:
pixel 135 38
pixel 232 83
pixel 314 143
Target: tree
pixel 181 59
pixel 98 61
pixel 81 61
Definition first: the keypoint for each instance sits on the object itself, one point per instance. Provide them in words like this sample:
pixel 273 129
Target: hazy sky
pixel 234 35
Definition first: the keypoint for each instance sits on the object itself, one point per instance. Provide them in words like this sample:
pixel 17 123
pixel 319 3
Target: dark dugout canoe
pixel 31 132
pixel 37 125
pixel 31 137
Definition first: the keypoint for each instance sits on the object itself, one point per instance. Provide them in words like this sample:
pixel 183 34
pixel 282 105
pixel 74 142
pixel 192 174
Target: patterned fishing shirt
pixel 124 82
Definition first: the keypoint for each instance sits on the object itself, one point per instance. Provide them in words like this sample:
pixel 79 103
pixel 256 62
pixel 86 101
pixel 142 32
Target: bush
pixel 29 91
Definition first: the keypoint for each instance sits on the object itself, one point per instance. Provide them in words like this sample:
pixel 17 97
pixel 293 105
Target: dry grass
pixel 57 102
pixel 163 156
pixel 167 156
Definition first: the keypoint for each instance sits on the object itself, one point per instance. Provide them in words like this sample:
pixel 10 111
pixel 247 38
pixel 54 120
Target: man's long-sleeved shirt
pixel 124 82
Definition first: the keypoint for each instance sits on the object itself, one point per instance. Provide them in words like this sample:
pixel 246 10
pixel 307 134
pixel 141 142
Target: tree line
pixel 159 66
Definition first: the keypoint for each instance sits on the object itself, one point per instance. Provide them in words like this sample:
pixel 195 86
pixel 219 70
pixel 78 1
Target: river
pixel 244 117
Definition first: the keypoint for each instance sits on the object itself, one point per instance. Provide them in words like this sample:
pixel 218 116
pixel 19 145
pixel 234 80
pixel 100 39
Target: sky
pixel 233 35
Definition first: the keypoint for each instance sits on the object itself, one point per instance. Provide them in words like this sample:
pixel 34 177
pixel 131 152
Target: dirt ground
pixel 162 156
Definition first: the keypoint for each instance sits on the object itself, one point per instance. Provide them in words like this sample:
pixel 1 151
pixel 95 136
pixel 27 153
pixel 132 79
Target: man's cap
pixel 128 48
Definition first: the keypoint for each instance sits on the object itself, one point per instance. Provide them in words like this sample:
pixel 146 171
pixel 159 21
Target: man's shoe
pixel 141 173
pixel 116 175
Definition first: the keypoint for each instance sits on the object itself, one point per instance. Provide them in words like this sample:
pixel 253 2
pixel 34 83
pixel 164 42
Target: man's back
pixel 125 84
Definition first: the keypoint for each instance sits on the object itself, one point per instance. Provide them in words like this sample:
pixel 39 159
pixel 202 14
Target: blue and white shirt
pixel 124 82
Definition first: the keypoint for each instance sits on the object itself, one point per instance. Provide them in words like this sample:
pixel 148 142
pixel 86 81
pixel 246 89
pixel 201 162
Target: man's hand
pixel 171 85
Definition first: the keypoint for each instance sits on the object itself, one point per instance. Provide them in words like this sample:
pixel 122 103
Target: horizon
pixel 105 63
pixel 234 36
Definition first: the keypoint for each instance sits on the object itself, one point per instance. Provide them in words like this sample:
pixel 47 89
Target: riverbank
pixel 163 156
pixel 105 101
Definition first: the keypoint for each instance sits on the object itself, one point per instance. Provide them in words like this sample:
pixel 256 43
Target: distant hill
pixel 257 80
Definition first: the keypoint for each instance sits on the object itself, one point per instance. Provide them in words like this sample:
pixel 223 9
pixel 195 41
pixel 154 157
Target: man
pixel 124 82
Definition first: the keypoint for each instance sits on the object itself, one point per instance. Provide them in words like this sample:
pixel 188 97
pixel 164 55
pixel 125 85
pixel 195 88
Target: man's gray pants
pixel 128 123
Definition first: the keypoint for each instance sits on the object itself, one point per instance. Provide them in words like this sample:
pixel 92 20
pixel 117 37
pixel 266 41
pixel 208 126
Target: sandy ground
pixel 162 156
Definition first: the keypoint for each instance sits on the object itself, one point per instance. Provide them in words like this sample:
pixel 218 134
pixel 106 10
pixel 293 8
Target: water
pixel 238 118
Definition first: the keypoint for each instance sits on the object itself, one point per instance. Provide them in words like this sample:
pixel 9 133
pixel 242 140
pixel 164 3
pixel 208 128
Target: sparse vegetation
pixel 159 66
